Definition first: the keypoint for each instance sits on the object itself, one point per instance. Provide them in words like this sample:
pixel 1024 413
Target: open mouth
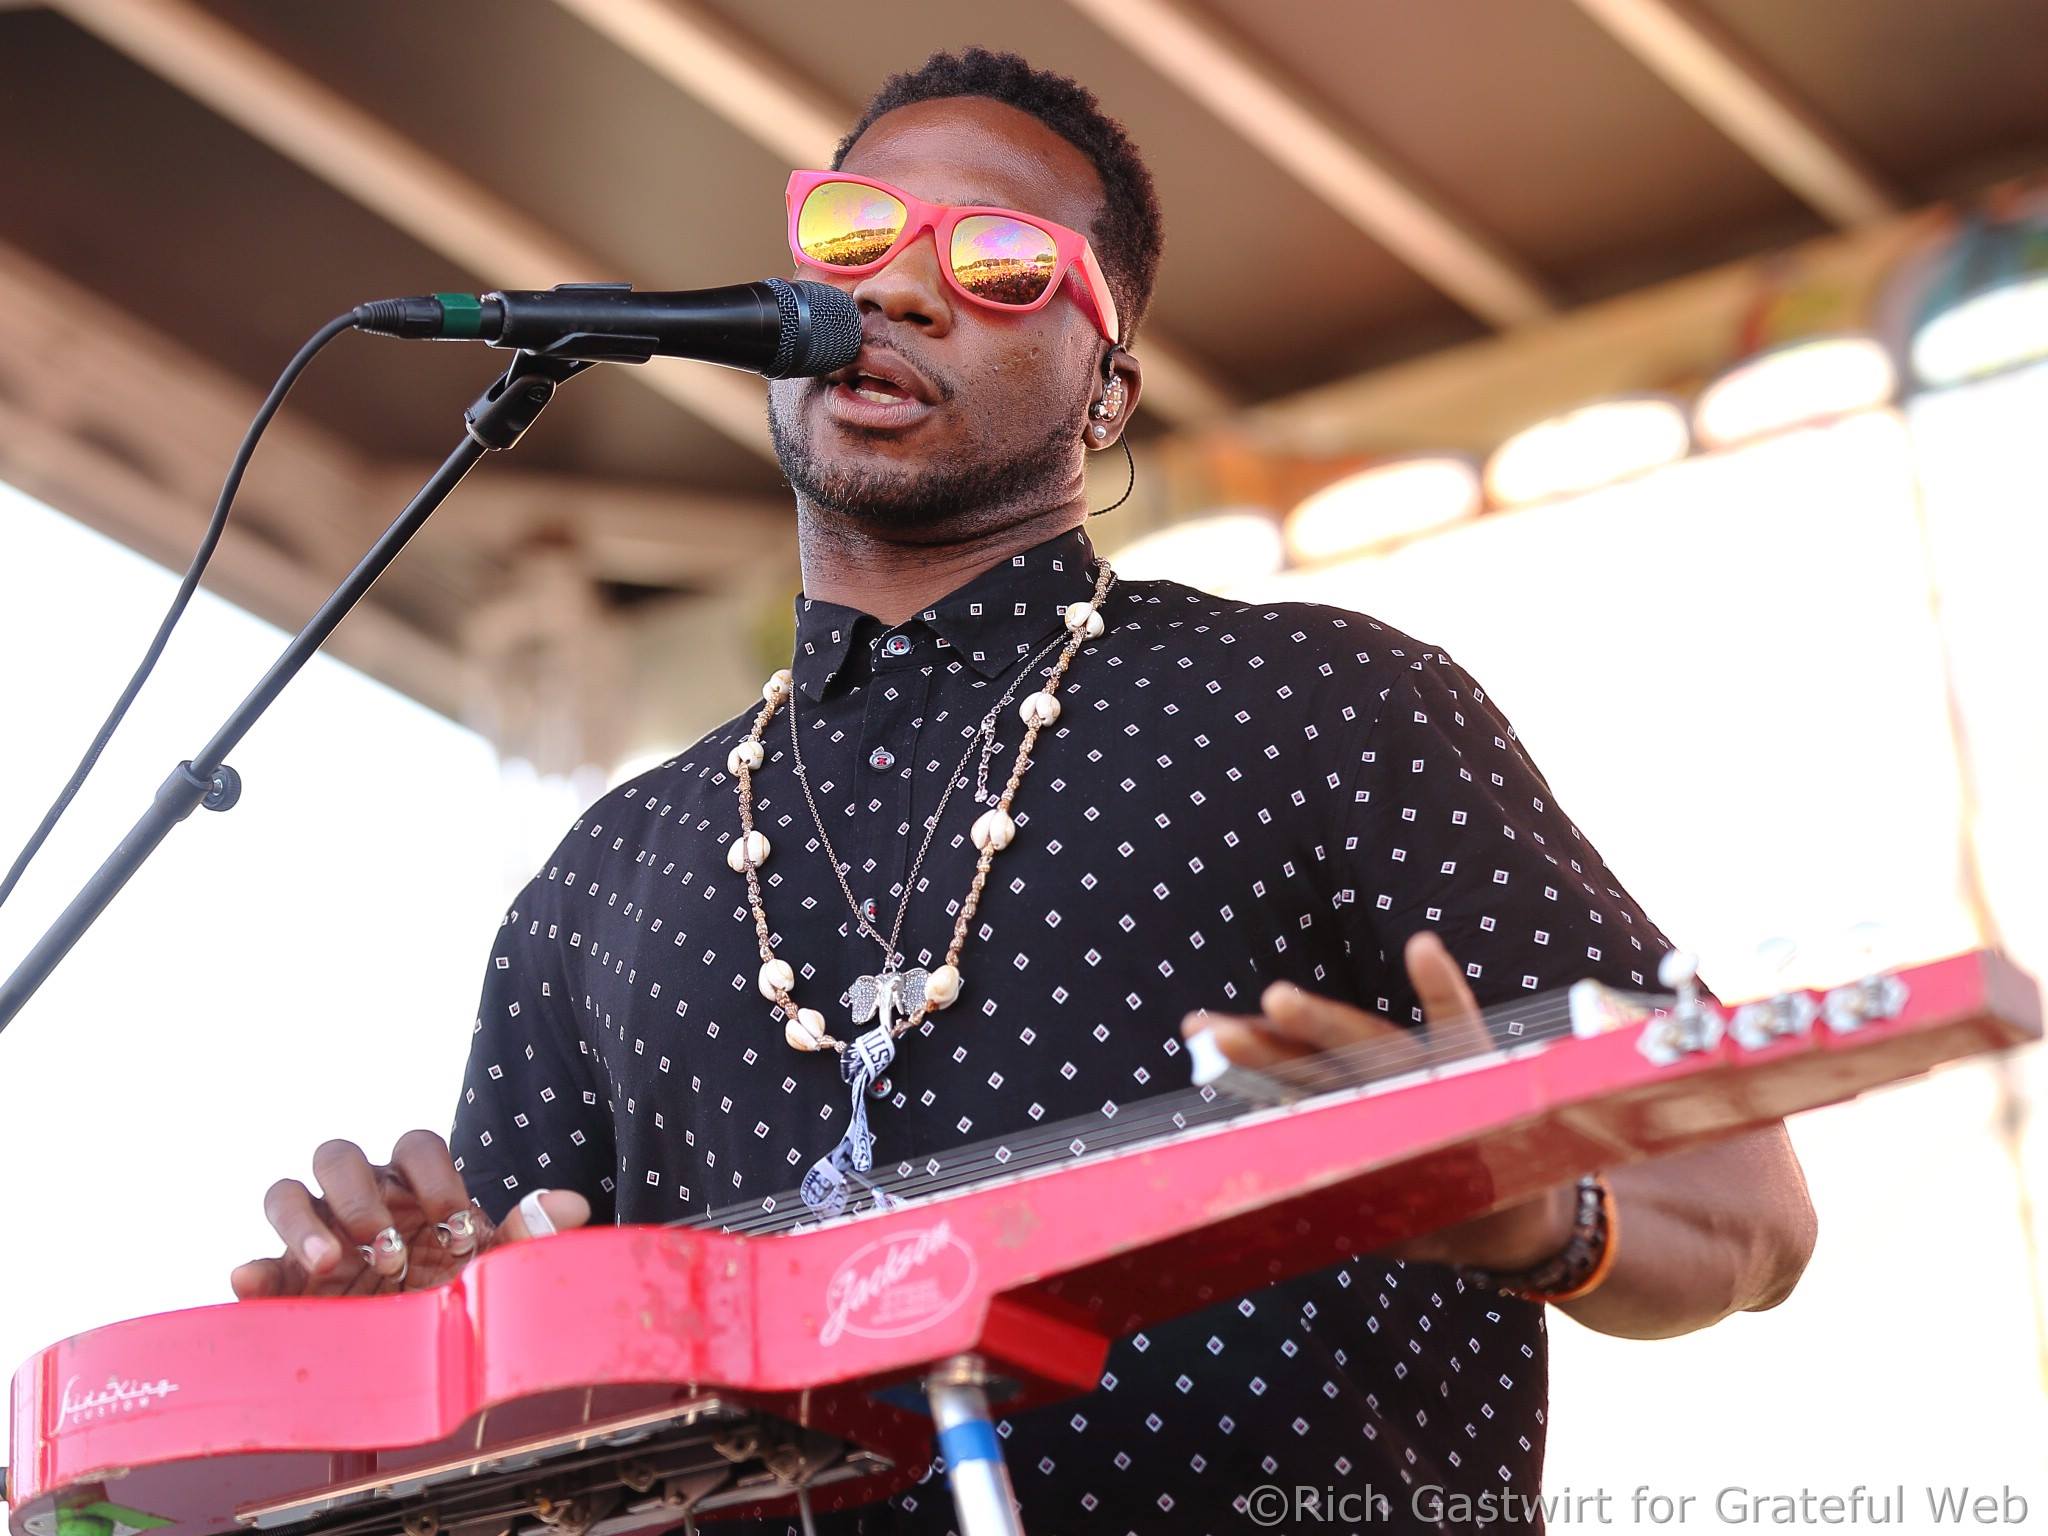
pixel 878 393
pixel 867 386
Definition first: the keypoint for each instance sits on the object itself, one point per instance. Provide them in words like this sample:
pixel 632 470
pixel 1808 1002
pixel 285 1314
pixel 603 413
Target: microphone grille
pixel 825 335
pixel 790 308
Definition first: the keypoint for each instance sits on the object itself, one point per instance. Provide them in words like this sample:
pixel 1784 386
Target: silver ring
pixel 458 1233
pixel 388 1242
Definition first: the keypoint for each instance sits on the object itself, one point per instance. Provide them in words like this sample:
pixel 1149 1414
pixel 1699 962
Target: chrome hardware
pixel 1756 1025
pixel 982 1496
pixel 498 1466
pixel 1869 1001
pixel 961 1371
pixel 1693 1024
pixel 1791 1011
pixel 1874 998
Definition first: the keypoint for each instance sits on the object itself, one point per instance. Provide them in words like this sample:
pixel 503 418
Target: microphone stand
pixel 496 420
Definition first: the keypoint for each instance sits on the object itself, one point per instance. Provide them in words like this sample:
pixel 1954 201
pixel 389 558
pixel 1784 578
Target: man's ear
pixel 1116 398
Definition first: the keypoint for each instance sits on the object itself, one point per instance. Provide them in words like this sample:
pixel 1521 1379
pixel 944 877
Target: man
pixel 1278 821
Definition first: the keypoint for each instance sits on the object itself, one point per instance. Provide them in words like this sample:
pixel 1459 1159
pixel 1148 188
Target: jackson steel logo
pixel 898 1285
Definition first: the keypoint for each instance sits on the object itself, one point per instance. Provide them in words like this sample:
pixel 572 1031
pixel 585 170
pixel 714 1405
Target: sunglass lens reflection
pixel 844 224
pixel 1002 260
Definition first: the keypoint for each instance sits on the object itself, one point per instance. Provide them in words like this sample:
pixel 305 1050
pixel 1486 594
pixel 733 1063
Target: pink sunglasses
pixel 996 257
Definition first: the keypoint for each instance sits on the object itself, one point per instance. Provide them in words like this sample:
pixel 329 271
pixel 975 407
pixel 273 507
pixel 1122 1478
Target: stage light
pixel 1584 449
pixel 1987 333
pixel 1982 302
pixel 1388 503
pixel 1802 382
pixel 1207 552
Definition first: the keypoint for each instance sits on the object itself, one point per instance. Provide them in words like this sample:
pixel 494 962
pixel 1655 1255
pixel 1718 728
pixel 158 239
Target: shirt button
pixel 896 645
pixel 869 910
pixel 881 758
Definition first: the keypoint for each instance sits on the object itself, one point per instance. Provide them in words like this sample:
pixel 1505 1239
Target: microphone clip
pixel 499 416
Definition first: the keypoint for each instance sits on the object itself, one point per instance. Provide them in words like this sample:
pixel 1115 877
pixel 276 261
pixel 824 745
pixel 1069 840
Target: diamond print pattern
pixel 1235 793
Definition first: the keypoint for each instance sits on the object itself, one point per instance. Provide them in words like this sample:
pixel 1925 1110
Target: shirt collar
pixel 991 623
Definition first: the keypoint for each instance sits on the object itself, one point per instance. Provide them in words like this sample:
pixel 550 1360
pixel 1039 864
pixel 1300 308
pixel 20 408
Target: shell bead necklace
pixel 994 830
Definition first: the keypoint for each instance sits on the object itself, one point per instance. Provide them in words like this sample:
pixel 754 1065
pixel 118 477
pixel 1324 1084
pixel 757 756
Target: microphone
pixel 780 329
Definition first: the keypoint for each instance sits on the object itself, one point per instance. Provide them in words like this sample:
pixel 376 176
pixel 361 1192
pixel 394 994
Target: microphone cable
pixel 186 588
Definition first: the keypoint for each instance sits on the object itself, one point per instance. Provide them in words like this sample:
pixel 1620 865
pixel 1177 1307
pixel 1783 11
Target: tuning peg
pixel 1678 970
pixel 1873 996
pixel 1790 1012
pixel 1692 1023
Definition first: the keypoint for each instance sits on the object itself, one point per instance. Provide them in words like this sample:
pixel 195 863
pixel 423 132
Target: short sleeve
pixel 533 1113
pixel 1450 826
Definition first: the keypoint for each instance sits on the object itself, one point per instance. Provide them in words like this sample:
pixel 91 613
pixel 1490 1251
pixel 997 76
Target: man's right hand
pixel 413 1214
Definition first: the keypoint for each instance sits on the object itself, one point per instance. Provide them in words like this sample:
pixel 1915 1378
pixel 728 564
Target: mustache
pixel 942 386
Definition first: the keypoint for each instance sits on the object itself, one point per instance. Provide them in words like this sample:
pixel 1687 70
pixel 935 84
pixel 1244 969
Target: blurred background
pixel 1681 366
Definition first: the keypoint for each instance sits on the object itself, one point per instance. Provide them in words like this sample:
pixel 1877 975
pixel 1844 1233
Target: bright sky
pixel 303 966
pixel 1765 750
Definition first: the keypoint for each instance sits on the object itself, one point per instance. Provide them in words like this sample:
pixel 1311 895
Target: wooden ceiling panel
pixel 1530 123
pixel 1246 245
pixel 1930 92
pixel 1527 122
pixel 142 195
pixel 178 217
pixel 553 119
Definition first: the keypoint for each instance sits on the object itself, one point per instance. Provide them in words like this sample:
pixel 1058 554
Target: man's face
pixel 1001 400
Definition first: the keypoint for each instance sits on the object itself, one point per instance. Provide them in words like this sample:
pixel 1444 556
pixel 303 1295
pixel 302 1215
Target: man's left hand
pixel 1296 1024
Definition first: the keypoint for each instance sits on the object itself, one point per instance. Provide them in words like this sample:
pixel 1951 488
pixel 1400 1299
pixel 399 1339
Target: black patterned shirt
pixel 1235 793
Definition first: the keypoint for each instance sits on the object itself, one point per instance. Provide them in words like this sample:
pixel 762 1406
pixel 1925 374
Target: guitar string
pixel 1167 1114
pixel 1051 1145
pixel 1216 1104
pixel 1172 1113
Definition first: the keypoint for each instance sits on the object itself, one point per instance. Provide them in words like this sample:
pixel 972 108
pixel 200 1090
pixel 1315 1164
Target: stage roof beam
pixel 1273 113
pixel 301 118
pixel 112 422
pixel 800 122
pixel 1702 63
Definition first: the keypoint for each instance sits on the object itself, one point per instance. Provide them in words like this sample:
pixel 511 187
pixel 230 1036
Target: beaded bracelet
pixel 1578 1267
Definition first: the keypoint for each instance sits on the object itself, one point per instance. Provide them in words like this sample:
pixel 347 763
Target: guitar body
pixel 650 1371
